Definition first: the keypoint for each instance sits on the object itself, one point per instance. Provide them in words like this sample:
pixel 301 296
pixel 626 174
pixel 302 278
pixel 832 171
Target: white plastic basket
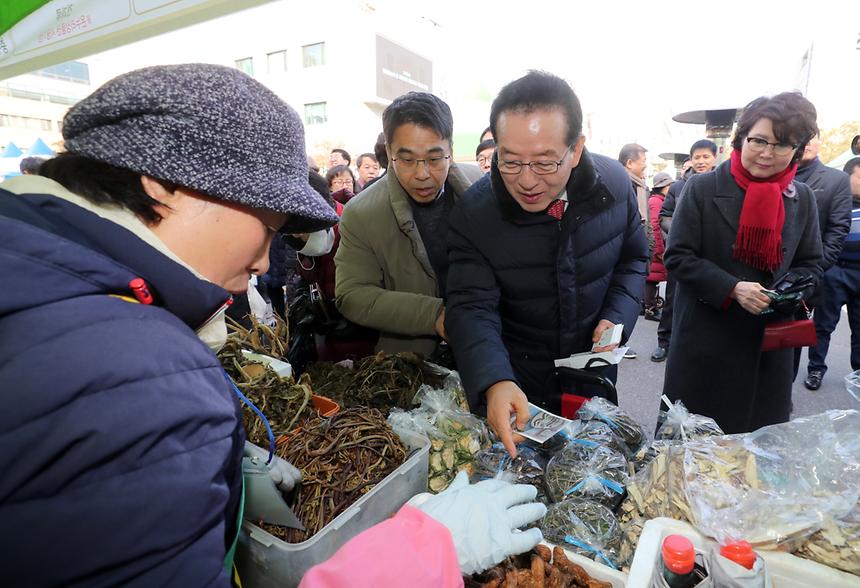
pixel 597 571
pixel 786 570
pixel 264 561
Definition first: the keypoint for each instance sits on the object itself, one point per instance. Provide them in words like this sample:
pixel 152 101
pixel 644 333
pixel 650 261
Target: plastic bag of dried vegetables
pixel 455 435
pixel 678 423
pixel 836 544
pixel 450 381
pixel 777 485
pixel 593 473
pixel 596 433
pixel 656 490
pixel 631 432
pixel 588 433
pixel 526 468
pixel 585 527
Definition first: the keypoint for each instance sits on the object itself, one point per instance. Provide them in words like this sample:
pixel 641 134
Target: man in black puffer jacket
pixel 832 191
pixel 546 252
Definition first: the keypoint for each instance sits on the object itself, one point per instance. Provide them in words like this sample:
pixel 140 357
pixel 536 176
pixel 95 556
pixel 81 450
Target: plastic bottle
pixel 678 562
pixel 739 552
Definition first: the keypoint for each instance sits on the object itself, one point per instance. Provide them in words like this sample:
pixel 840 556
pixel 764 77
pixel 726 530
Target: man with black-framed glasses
pixel 546 253
pixel 392 259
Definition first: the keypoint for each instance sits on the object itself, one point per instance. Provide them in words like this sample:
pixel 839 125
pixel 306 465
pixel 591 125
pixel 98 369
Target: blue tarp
pixel 11 151
pixel 40 148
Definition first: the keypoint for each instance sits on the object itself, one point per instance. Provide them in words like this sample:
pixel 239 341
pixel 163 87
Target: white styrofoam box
pixel 786 570
pixel 264 561
pixel 596 570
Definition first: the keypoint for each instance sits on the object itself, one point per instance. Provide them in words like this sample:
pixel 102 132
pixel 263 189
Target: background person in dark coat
pixel 737 231
pixel 840 286
pixel 546 252
pixel 703 158
pixel 832 192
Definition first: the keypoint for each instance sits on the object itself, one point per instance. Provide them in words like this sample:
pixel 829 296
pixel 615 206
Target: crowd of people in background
pixel 388 273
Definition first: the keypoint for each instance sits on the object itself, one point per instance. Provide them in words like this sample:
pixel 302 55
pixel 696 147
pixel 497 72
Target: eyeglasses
pixel 485 159
pixel 759 145
pixel 340 182
pixel 541 168
pixel 434 163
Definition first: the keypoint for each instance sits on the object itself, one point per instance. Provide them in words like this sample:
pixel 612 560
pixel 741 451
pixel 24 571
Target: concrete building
pixel 338 65
pixel 32 106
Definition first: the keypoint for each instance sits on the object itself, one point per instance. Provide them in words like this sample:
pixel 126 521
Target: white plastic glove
pixel 483 519
pixel 283 473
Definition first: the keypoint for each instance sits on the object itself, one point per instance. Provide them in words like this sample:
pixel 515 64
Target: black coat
pixel 716 365
pixel 832 190
pixel 525 289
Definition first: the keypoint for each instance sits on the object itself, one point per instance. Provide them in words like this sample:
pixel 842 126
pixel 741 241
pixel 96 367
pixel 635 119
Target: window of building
pixel 313 55
pixel 38 96
pixel 276 62
pixel 246 65
pixel 71 71
pixel 315 113
pixel 24 122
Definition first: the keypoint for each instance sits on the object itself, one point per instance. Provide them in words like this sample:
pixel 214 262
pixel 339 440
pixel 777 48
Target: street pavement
pixel 640 381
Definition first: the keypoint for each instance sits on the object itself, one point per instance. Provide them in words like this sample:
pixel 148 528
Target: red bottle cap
pixel 679 556
pixel 739 552
pixel 141 291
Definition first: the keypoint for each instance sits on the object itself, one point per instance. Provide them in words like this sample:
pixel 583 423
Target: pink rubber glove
pixel 411 549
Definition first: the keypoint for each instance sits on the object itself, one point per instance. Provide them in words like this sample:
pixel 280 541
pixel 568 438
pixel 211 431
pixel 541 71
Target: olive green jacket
pixel 384 279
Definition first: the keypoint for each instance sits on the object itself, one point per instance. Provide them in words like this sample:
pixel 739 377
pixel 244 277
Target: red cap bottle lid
pixel 679 556
pixel 739 552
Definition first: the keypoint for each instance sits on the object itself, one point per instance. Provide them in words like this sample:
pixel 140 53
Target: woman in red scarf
pixel 737 231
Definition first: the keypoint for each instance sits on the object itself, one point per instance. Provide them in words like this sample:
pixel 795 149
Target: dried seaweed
pixel 382 381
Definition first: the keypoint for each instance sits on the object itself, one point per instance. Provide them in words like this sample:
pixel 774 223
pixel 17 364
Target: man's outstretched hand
pixel 504 399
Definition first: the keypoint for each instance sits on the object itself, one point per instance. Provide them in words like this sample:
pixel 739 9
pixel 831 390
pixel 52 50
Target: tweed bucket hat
pixel 206 127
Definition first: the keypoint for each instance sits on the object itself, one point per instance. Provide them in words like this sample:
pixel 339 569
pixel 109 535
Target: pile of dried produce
pixel 594 473
pixel 539 568
pixel 284 402
pixel 341 458
pixel 837 544
pixel 380 381
pixel 260 338
pixel 586 528
pixel 330 379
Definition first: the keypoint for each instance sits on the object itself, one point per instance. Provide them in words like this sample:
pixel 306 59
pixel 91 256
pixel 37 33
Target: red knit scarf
pixel 759 240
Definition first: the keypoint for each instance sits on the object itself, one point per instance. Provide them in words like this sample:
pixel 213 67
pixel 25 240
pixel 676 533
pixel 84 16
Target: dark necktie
pixel 556 209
